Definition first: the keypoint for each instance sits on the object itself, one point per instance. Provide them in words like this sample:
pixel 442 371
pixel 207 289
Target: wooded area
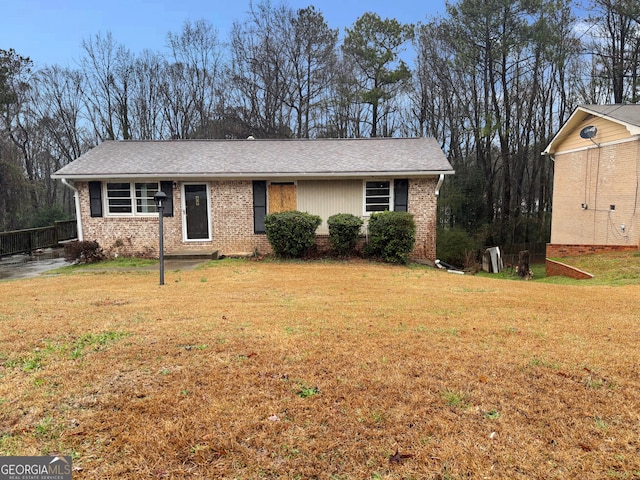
pixel 491 80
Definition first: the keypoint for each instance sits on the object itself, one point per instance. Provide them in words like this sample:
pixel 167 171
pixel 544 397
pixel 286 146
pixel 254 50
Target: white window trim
pixel 364 194
pixel 132 197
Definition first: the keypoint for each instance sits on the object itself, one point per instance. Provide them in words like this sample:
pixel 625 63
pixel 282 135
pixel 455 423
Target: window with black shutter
pixel 95 199
pixel 400 194
pixel 259 205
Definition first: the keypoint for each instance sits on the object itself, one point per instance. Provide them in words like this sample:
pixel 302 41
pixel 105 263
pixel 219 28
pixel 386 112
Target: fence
pixel 536 252
pixel 26 241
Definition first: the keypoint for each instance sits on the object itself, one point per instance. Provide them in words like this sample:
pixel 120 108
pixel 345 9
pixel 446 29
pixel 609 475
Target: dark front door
pixel 197 212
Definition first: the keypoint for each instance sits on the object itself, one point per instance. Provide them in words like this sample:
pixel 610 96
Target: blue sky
pixel 51 31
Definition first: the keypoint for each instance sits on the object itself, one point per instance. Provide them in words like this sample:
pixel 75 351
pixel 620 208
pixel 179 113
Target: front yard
pixel 329 370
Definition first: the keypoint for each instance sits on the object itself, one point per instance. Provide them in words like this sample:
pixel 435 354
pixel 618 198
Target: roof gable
pixel 619 117
pixel 259 158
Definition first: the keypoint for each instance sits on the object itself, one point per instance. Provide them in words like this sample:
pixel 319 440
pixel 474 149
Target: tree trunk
pixel 523 265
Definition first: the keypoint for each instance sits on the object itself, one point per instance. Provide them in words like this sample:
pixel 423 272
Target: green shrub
pixel 291 234
pixel 86 251
pixel 392 236
pixel 344 232
pixel 453 246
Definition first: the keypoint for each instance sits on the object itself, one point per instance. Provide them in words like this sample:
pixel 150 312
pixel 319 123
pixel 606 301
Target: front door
pixel 196 209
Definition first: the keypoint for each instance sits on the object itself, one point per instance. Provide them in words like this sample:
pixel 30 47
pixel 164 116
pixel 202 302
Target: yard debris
pixel 398 458
pixel 449 268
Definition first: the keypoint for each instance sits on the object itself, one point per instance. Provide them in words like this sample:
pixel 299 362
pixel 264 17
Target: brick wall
pixel 423 207
pixel 232 219
pixel 556 269
pixel 231 204
pixel 595 196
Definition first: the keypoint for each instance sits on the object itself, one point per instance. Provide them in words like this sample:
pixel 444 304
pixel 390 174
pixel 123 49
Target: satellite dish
pixel 588 132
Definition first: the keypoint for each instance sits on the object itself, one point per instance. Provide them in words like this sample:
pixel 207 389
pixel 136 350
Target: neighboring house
pixel 219 191
pixel 596 158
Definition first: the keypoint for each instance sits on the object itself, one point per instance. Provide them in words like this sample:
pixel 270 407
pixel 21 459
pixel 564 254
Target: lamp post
pixel 160 197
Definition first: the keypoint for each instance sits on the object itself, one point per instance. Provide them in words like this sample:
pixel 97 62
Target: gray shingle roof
pixel 629 114
pixel 260 158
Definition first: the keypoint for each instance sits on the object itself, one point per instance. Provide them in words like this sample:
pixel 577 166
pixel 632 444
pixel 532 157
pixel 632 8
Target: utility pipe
pixel 76 201
pixel 440 180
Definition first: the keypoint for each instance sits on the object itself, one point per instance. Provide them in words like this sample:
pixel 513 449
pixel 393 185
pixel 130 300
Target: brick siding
pixel 595 196
pixel 231 204
pixel 423 206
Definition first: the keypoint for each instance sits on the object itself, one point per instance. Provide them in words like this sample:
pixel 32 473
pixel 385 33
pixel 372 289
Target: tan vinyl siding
pixel 326 198
pixel 608 131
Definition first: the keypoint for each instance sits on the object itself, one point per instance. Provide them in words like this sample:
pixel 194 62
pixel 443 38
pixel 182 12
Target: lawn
pixel 325 370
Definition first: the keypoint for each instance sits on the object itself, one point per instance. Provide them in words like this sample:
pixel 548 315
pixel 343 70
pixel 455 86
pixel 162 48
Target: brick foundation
pixel 557 250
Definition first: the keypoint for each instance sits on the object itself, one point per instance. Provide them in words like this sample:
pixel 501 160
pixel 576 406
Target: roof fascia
pixel 261 175
pixel 576 117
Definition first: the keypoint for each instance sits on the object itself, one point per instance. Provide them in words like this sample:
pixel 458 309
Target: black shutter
pixel 259 205
pixel 95 198
pixel 400 194
pixel 167 188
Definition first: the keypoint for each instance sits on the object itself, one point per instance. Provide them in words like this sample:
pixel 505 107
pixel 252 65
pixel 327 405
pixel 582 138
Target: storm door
pixel 196 208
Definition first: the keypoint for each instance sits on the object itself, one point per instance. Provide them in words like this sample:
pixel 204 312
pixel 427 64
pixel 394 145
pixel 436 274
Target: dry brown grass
pixel 321 370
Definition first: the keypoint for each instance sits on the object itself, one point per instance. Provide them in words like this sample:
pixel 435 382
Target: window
pixel 144 197
pixel 377 196
pixel 122 196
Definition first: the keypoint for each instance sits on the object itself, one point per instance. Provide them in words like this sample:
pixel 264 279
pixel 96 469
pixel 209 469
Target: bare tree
pixel 261 70
pixel 193 85
pixel 616 46
pixel 147 102
pixel 312 53
pixel 108 68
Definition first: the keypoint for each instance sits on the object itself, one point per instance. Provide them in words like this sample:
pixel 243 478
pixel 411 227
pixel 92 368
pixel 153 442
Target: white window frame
pixel 365 196
pixel 135 201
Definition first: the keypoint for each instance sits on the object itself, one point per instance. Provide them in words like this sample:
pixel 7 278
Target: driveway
pixel 27 266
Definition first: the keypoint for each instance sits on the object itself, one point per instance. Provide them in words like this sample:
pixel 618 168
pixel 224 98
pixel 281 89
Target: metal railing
pixel 26 241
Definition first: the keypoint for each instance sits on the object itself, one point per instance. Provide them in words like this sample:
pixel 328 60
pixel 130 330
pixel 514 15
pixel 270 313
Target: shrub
pixel 344 231
pixel 453 246
pixel 392 236
pixel 291 234
pixel 86 251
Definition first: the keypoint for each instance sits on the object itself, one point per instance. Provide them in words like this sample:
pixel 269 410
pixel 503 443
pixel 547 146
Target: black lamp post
pixel 160 198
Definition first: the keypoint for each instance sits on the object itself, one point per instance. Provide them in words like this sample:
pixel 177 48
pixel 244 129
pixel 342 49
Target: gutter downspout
pixel 76 201
pixel 440 180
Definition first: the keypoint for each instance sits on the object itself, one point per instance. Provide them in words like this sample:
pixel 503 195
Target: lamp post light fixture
pixel 160 198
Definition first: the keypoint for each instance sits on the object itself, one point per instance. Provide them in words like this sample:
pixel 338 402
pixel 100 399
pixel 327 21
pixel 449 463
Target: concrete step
pixel 192 255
